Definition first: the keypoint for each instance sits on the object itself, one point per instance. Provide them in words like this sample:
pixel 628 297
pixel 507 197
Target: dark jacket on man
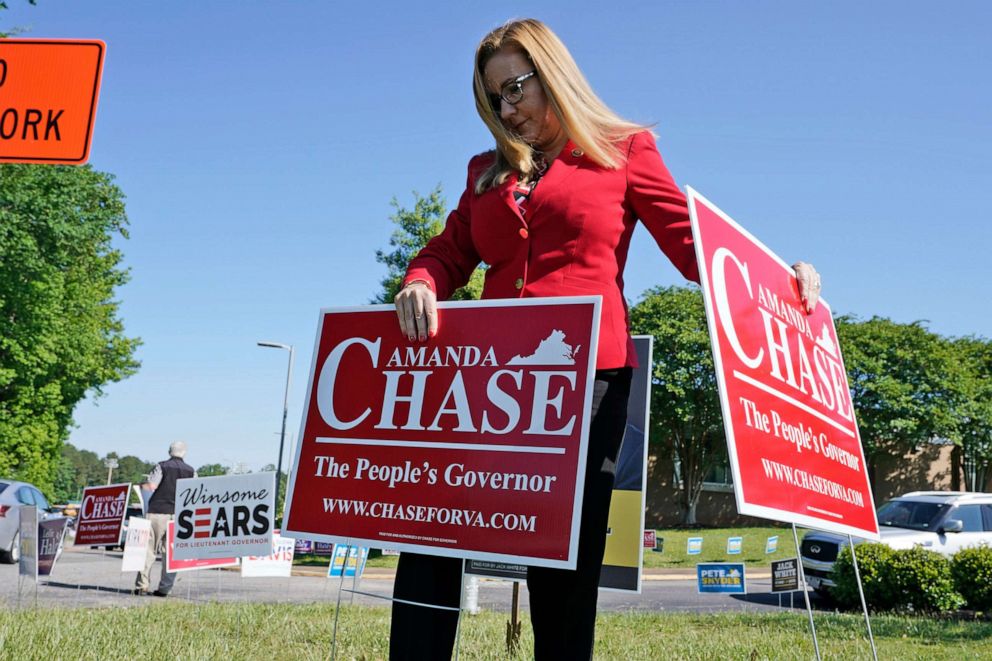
pixel 163 501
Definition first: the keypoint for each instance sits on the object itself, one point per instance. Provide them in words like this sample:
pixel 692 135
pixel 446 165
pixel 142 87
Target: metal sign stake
pixel 458 625
pixel 805 589
pixel 861 591
pixel 337 609
pixel 513 626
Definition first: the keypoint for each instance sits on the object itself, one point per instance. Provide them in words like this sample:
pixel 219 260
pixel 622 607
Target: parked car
pixel 13 496
pixel 942 521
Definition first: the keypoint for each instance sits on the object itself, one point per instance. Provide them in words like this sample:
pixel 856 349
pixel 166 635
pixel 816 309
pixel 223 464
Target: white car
pixel 13 496
pixel 942 521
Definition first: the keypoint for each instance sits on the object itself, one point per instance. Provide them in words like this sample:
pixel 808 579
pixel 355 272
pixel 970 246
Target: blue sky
pixel 259 145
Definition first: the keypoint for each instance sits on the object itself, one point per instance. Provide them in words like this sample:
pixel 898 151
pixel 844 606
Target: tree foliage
pixel 211 470
pixel 82 468
pixel 11 31
pixel 76 469
pixel 974 412
pixel 905 383
pixel 281 495
pixel 60 334
pixel 132 469
pixel 414 228
pixel 685 407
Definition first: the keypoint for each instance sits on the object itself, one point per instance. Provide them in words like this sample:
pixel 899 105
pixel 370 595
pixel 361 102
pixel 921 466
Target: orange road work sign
pixel 48 94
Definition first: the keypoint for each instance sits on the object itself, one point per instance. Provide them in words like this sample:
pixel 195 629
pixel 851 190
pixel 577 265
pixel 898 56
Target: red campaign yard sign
pixel 794 445
pixel 101 515
pixel 174 565
pixel 469 445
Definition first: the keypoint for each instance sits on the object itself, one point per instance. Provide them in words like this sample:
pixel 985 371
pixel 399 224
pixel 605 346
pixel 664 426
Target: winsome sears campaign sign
pixel 224 516
pixel 469 445
pixel 794 445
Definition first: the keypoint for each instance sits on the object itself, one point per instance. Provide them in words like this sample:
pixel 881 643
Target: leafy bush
pixel 874 561
pixel 972 572
pixel 912 579
pixel 924 580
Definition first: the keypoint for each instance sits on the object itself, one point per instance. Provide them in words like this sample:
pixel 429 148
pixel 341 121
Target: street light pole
pixel 285 408
pixel 111 464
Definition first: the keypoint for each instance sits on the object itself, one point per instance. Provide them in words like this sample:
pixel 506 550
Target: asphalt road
pixel 92 578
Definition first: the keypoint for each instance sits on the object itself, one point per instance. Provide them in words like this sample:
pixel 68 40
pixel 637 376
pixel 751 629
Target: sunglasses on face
pixel 512 92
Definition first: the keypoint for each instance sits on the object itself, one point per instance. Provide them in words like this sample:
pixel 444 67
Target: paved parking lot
pixel 92 578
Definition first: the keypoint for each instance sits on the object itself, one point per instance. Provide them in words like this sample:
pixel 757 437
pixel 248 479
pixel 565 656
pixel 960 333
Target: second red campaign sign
pixel 101 514
pixel 794 445
pixel 469 445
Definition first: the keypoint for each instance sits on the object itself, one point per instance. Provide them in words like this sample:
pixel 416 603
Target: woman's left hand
pixel 809 285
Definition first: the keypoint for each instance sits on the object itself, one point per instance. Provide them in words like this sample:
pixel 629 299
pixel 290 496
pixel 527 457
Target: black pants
pixel 562 602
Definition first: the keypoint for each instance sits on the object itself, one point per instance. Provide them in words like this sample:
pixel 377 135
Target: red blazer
pixel 572 239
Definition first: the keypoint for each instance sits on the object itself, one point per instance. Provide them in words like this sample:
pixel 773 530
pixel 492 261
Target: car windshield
pixel 911 514
pixel 3 486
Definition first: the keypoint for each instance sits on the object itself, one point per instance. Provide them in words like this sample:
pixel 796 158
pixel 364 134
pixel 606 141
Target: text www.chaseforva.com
pixel 428 514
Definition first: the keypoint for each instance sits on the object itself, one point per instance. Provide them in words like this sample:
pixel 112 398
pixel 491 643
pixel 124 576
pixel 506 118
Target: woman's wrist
pixel 418 282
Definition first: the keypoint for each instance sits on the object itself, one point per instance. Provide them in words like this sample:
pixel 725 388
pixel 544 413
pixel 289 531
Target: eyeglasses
pixel 512 92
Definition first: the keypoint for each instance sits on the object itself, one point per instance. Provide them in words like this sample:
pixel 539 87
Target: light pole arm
pixel 285 410
pixel 289 377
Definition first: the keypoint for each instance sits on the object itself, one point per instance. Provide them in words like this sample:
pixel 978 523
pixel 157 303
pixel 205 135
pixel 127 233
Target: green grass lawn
pixel 674 553
pixel 267 631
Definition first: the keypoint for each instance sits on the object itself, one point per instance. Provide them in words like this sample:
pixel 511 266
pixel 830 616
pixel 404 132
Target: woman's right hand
pixel 416 307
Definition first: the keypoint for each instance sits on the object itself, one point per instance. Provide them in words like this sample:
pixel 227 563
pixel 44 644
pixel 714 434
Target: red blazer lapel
pixel 505 191
pixel 561 168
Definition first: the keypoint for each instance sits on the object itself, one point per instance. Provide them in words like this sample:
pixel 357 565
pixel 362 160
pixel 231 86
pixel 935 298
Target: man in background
pixel 161 506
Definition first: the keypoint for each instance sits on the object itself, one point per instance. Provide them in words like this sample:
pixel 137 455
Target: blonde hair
pixel 585 119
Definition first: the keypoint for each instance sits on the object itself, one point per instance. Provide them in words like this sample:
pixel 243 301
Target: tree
pixel 685 406
pixel 60 334
pixel 132 469
pixel 281 496
pixel 210 470
pixel 12 31
pixel 414 228
pixel 76 469
pixel 974 412
pixel 905 384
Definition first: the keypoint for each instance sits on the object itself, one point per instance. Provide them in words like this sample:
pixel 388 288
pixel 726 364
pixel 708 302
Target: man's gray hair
pixel 177 449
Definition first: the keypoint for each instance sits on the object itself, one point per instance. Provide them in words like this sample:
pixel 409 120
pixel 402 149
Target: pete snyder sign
pixel 469 445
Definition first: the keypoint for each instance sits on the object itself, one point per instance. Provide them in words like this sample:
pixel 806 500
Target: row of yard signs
pixel 735 545
pixel 730 578
pixel 219 521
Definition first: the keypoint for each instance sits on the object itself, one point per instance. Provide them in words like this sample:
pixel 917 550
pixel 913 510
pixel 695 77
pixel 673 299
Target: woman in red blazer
pixel 551 210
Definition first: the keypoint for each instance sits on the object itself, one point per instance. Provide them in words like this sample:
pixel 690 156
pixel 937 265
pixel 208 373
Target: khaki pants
pixel 156 546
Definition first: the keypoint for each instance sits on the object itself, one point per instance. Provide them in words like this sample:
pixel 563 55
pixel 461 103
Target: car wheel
pixel 14 554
